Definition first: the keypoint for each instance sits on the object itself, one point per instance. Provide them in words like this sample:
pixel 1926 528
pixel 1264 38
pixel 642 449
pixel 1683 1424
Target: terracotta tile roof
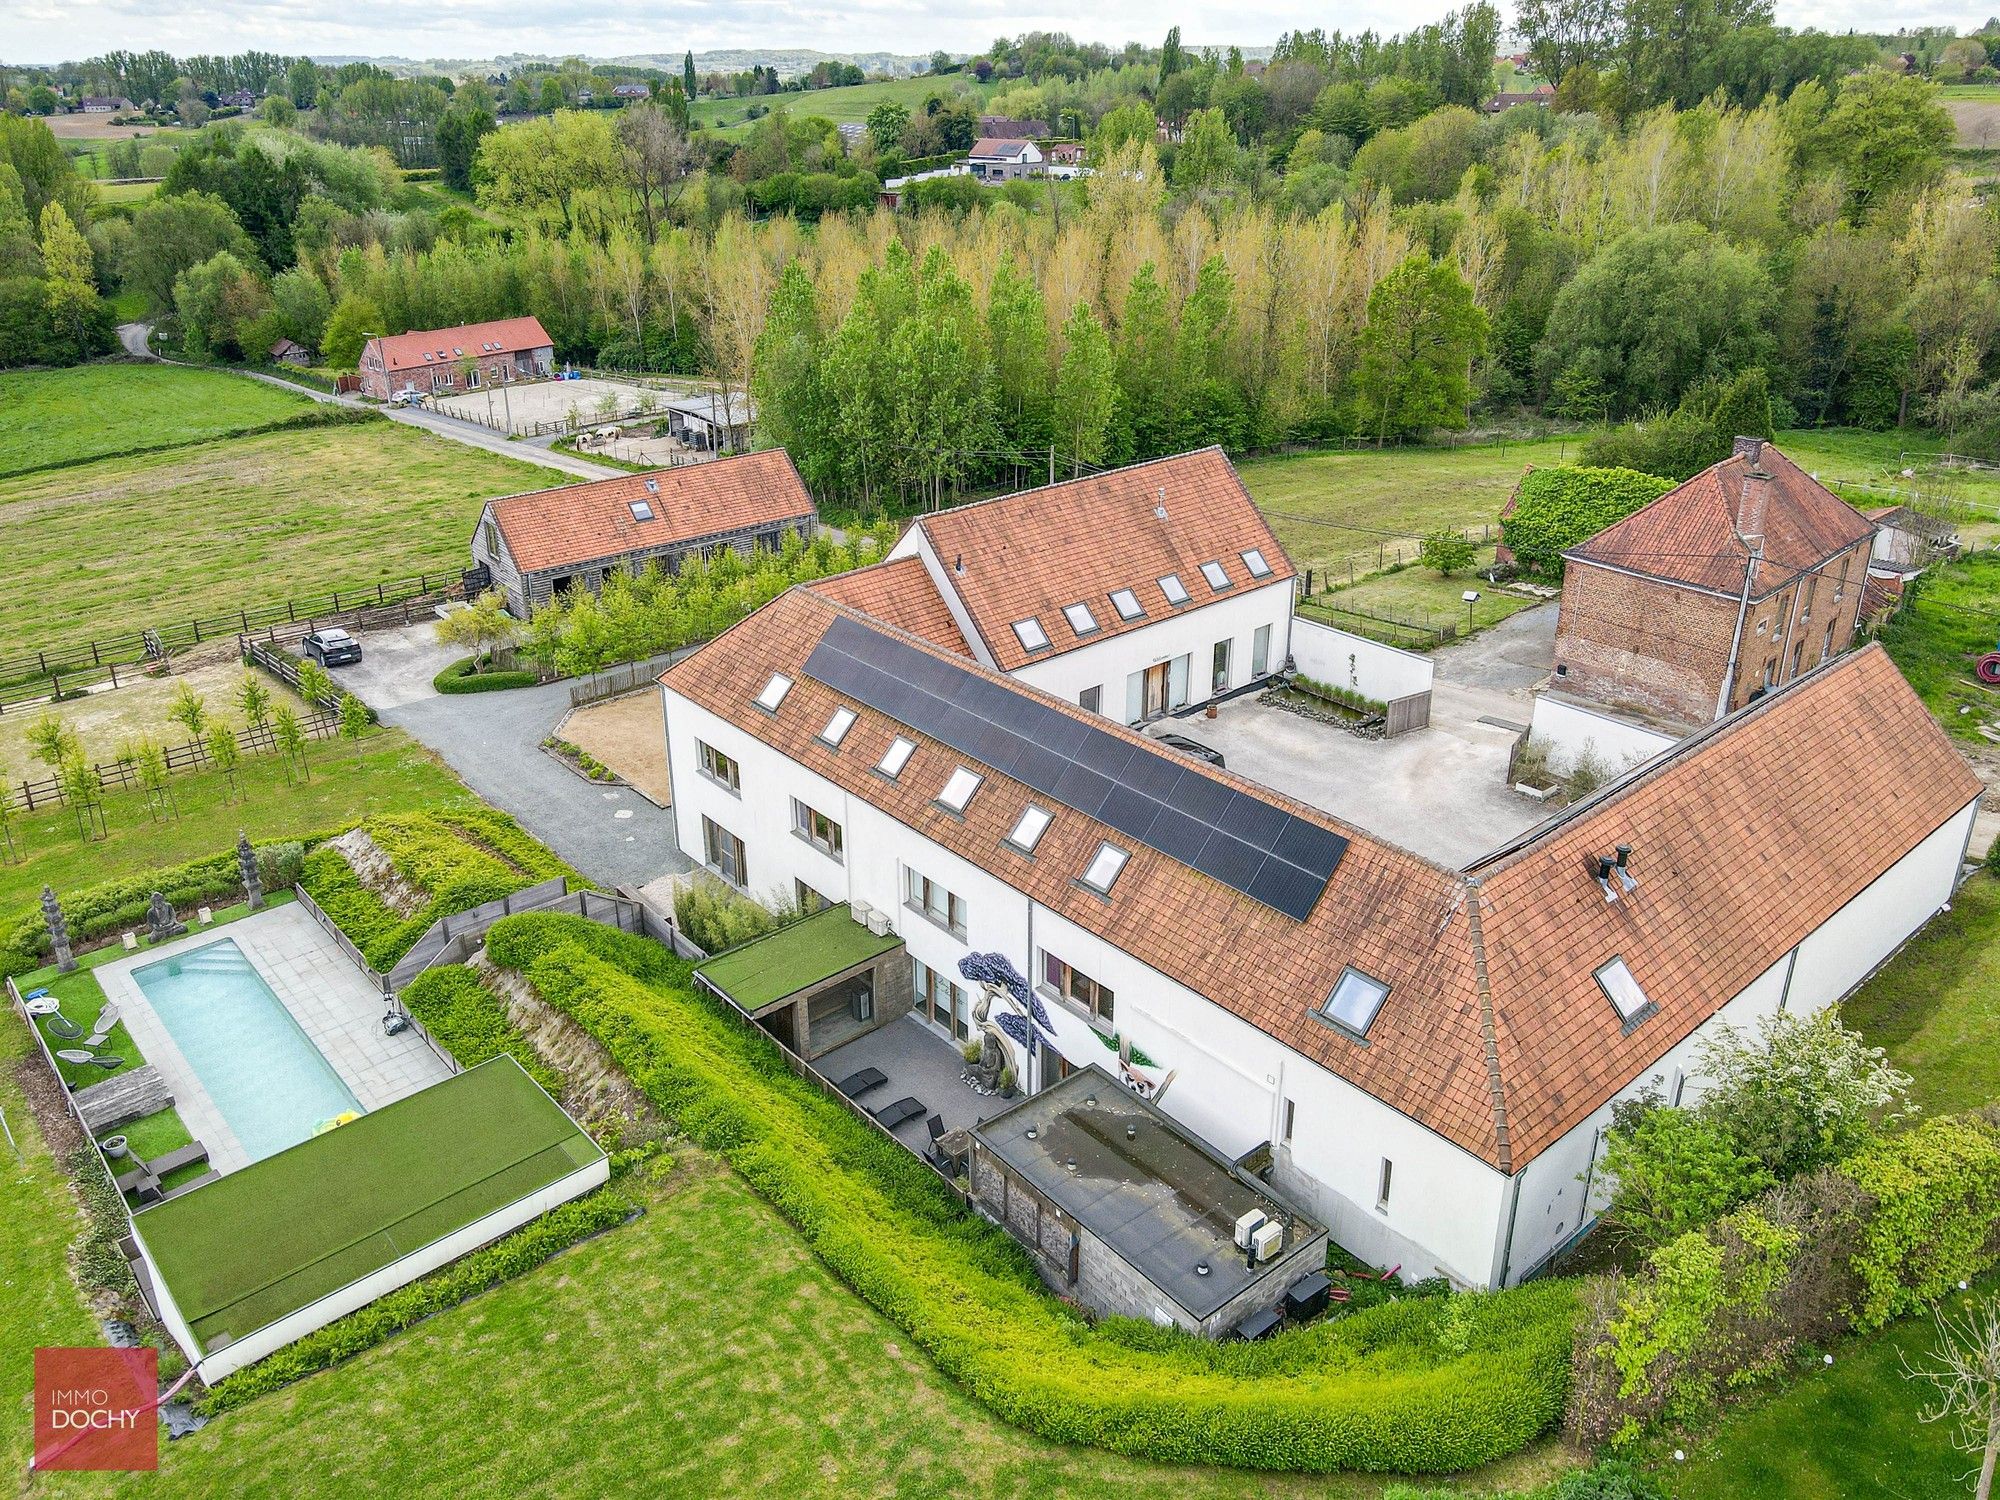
pixel 898 593
pixel 583 523
pixel 1023 558
pixel 1745 838
pixel 1694 534
pixel 406 351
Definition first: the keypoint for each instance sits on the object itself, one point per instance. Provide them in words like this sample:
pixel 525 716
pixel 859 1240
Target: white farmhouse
pixel 1426 1054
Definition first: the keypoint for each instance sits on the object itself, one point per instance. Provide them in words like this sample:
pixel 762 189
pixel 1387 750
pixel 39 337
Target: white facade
pixel 1352 661
pixel 1570 730
pixel 1447 1212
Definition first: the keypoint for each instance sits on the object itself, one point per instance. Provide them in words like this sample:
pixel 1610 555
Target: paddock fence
pixel 123 775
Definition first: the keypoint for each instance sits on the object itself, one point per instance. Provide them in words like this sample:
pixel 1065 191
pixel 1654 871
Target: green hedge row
pixel 1935 1215
pixel 462 677
pixel 518 1253
pixel 1556 508
pixel 470 1022
pixel 118 904
pixel 1423 1385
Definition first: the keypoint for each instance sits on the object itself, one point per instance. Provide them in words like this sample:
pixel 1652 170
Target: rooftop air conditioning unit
pixel 1248 1225
pixel 878 923
pixel 860 911
pixel 1268 1240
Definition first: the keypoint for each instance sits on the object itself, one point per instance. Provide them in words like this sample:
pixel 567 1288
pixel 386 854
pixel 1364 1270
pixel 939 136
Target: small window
pixel 1217 579
pixel 1354 1002
pixel 1103 871
pixel 1028 831
pixel 1623 991
pixel 896 757
pixel 837 726
pixel 1031 635
pixel 1174 589
pixel 1091 700
pixel 719 767
pixel 641 511
pixel 959 789
pixel 1291 1122
pixel 1127 604
pixel 1254 561
pixel 1081 620
pixel 774 692
pixel 816 828
pixel 458 353
pixel 1382 1184
pixel 652 486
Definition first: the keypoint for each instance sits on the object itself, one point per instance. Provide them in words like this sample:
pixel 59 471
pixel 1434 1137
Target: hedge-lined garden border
pixel 470 1022
pixel 463 676
pixel 1423 1385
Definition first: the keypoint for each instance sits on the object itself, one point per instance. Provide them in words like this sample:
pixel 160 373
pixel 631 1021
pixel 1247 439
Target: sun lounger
pixel 856 1084
pixel 173 1161
pixel 903 1110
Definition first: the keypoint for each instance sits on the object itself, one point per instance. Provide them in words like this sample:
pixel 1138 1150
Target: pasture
pixel 730 116
pixel 58 417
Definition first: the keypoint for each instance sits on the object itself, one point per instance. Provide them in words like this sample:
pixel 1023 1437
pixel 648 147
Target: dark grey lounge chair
pixel 173 1161
pixel 856 1084
pixel 903 1110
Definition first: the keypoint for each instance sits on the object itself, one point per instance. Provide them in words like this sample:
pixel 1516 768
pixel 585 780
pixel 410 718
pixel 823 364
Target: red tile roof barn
pixel 583 523
pixel 1022 557
pixel 406 351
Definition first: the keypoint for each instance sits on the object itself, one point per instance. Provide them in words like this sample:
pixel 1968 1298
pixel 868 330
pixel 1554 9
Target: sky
pixel 55 30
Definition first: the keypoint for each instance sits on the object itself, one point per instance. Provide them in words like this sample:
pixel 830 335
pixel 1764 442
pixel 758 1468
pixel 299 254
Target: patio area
pixel 919 1064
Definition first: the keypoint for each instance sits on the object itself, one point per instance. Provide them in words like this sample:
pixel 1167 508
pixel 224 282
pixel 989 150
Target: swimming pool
pixel 264 1076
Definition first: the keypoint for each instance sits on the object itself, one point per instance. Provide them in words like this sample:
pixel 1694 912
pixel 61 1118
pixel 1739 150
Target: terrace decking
pixel 918 1063
pixel 122 1098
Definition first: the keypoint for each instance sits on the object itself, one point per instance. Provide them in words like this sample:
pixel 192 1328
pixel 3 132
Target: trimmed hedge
pixel 462 677
pixel 470 1022
pixel 514 1255
pixel 1936 1216
pixel 1557 508
pixel 1423 1385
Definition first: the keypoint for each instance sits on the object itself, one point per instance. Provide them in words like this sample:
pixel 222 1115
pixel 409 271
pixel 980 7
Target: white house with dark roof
pixel 993 160
pixel 1425 1054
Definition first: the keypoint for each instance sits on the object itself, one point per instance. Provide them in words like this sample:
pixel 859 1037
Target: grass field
pixel 395 774
pixel 68 416
pixel 103 548
pixel 730 116
pixel 1951 619
pixel 1418 595
pixel 1936 1006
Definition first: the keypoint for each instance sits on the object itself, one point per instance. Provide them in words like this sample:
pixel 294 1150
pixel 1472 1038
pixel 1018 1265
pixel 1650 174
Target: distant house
pixel 445 360
pixel 1066 153
pixel 712 421
pixel 543 544
pixel 852 134
pixel 1002 128
pixel 239 99
pixel 625 93
pixel 1541 94
pixel 1004 160
pixel 584 96
pixel 285 352
pixel 100 104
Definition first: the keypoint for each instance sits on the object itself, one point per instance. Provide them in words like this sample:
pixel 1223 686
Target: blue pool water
pixel 263 1074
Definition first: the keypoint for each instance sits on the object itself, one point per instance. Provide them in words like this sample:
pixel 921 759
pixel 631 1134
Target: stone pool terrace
pixel 335 1005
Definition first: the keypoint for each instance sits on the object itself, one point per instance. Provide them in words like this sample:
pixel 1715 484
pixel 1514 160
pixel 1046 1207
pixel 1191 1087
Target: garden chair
pixel 83 1059
pixel 101 1028
pixel 62 1028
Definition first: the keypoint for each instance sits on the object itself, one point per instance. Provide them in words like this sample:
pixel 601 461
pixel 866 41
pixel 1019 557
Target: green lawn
pixel 730 116
pixel 100 549
pixel 395 774
pixel 1951 619
pixel 784 962
pixel 68 416
pixel 1848 1431
pixel 1417 594
pixel 1936 1005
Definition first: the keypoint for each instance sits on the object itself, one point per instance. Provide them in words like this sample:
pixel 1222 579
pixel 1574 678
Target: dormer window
pixel 1254 561
pixel 1354 1002
pixel 1127 604
pixel 1174 589
pixel 837 726
pixel 641 511
pixel 1081 620
pixel 896 757
pixel 1623 991
pixel 1104 868
pixel 1031 635
pixel 1029 828
pixel 959 789
pixel 774 692
pixel 1217 579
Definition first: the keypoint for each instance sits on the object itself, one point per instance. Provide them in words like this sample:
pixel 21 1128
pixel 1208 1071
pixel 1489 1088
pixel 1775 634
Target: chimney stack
pixel 1756 492
pixel 1750 448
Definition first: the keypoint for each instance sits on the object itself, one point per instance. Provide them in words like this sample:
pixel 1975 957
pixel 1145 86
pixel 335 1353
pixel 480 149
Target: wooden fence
pixel 123 775
pixel 1392 630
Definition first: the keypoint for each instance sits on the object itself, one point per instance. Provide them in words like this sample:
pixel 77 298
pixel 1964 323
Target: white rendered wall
pixel 1570 729
pixel 1352 661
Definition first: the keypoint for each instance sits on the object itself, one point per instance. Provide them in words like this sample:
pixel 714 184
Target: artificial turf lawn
pixel 784 962
pixel 61 417
pixel 283 1232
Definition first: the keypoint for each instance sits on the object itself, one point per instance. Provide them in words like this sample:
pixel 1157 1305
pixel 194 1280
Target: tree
pixel 292 740
pixel 1423 334
pixel 687 75
pixel 279 111
pixel 458 136
pixel 187 709
pixel 1563 34
pixel 353 721
pixel 1886 132
pixel 217 302
pixel 1208 157
pixel 303 305
pixel 302 82
pixel 253 698
pixel 1671 1171
pixel 79 324
pixel 354 320
pixel 557 173
pixel 657 161
pixel 1086 390
pixel 315 683
pixel 1965 1371
pixel 1172 58
pixel 482 626
pixel 886 123
pixel 6 818
pixel 1018 328
pixel 225 754
pixel 1446 552
pixel 174 233
pixel 84 793
pixel 52 741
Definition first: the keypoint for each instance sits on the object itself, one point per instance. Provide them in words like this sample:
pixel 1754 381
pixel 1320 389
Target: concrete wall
pixel 1352 661
pixel 1569 729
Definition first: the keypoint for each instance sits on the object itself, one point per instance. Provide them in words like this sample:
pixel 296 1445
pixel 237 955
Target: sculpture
pixel 246 860
pixel 52 915
pixel 161 923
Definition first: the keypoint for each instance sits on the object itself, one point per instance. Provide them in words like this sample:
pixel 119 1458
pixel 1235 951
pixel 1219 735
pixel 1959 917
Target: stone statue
pixel 246 860
pixel 58 925
pixel 161 923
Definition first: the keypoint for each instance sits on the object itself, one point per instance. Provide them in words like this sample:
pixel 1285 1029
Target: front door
pixel 1156 690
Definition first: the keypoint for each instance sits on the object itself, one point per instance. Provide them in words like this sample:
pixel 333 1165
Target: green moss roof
pixel 794 958
pixel 258 1244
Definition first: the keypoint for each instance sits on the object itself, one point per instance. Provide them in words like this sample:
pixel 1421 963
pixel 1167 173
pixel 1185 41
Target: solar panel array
pixel 1151 796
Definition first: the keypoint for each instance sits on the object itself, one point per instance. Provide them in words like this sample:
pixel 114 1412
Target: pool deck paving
pixel 333 1003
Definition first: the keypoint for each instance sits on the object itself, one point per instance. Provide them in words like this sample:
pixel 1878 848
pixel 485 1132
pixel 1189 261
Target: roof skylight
pixel 837 726
pixel 1104 868
pixel 1127 604
pixel 1623 991
pixel 1174 589
pixel 1028 831
pixel 1217 579
pixel 1081 620
pixel 1354 1001
pixel 959 789
pixel 774 692
pixel 1031 635
pixel 1254 561
pixel 896 757
pixel 641 511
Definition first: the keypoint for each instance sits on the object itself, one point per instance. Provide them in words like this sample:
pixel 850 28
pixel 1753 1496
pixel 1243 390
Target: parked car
pixel 332 648
pixel 1195 748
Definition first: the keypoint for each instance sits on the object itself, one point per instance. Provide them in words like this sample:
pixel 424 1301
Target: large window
pixel 929 899
pixel 724 852
pixel 1260 651
pixel 940 1002
pixel 1219 682
pixel 718 767
pixel 816 828
pixel 1066 982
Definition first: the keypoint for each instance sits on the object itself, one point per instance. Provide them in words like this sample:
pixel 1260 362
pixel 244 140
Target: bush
pixel 470 1022
pixel 1936 1216
pixel 1446 552
pixel 1420 1385
pixel 1333 692
pixel 518 1253
pixel 1701 431
pixel 1672 1171
pixel 1556 508
pixel 464 676
pixel 715 917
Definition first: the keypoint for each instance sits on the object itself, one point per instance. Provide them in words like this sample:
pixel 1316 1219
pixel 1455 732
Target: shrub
pixel 1936 1215
pixel 1446 552
pixel 1556 508
pixel 1673 1170
pixel 1420 1385
pixel 518 1253
pixel 464 676
pixel 1701 431
pixel 470 1022
pixel 1333 692
pixel 714 917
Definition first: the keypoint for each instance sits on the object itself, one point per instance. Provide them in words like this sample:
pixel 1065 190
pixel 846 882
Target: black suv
pixel 332 648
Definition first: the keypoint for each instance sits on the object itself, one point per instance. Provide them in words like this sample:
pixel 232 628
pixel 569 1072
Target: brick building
pixel 1745 577
pixel 446 360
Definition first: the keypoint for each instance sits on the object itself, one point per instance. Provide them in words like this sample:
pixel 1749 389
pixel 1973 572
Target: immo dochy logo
pixel 94 1409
